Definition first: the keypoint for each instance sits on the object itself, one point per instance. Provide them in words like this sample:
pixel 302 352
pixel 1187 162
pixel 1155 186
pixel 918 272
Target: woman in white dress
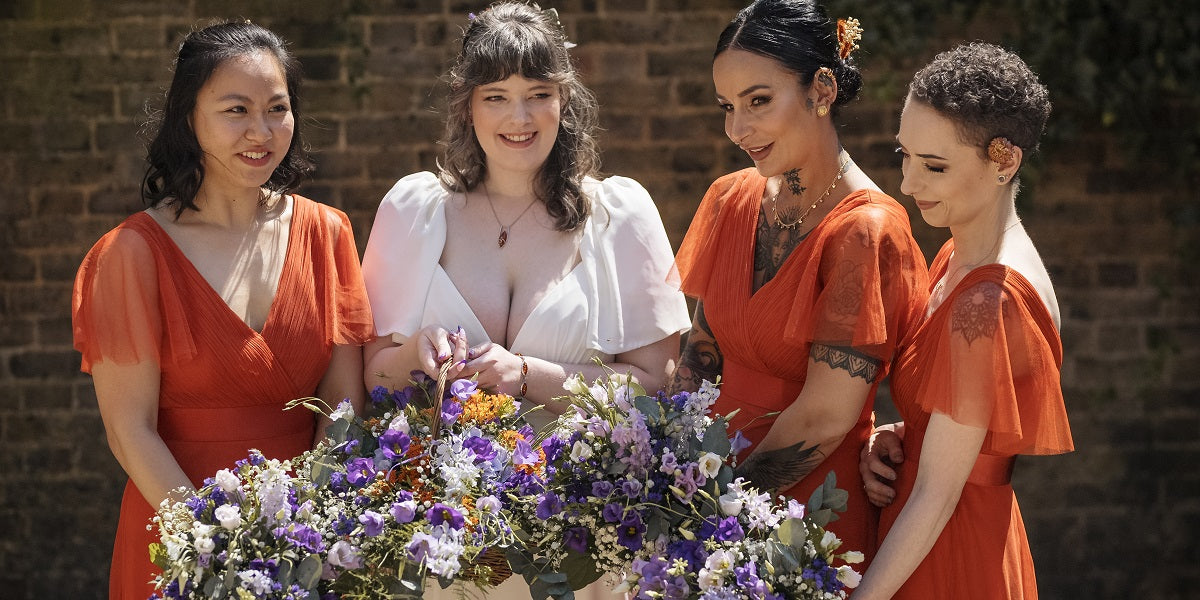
pixel 514 261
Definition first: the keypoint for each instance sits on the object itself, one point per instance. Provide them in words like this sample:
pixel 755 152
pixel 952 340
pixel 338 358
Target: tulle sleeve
pixel 699 252
pixel 635 287
pixel 351 322
pixel 402 252
pixel 122 309
pixel 871 288
pixel 1001 357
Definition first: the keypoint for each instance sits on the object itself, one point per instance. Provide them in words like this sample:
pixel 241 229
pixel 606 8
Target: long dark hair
pixel 174 169
pixel 511 38
pixel 797 34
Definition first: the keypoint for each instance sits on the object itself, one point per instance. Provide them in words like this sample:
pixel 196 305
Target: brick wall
pixel 1118 517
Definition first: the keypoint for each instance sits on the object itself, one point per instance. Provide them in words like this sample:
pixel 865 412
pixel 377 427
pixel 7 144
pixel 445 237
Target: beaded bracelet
pixel 524 375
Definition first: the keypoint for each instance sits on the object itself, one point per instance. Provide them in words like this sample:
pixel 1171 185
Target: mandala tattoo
pixel 848 359
pixel 793 182
pixel 772 247
pixel 701 357
pixel 974 314
pixel 780 469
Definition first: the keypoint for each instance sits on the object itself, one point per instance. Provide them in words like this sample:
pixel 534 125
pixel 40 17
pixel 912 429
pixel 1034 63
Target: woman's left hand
pixel 496 367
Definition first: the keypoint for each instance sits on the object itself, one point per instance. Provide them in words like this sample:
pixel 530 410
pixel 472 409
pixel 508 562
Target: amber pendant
pixel 503 239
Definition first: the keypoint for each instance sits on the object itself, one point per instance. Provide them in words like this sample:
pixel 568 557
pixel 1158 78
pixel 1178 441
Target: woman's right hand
pixel 435 345
pixel 877 463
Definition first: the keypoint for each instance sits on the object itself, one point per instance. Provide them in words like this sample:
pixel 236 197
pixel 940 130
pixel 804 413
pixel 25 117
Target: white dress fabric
pixel 623 294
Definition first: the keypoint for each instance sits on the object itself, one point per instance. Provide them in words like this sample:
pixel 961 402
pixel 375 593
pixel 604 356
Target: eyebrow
pixel 748 91
pixel 933 156
pixel 247 100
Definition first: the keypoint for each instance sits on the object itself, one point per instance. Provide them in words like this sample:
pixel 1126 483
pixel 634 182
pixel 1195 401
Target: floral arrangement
pixel 644 486
pixel 252 531
pixel 411 490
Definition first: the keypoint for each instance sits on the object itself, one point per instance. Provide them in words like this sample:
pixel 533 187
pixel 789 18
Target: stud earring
pixel 822 110
pixel 1001 178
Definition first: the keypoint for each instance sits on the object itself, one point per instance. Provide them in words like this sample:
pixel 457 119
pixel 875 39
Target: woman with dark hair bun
pixel 202 316
pixel 980 382
pixel 806 274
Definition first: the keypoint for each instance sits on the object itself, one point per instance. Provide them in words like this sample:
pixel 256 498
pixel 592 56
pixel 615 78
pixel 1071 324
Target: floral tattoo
pixel 973 315
pixel 772 247
pixel 701 358
pixel 793 182
pixel 781 468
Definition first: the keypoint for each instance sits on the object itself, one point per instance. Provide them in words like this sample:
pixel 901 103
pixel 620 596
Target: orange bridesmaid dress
pixel 989 356
pixel 223 384
pixel 857 280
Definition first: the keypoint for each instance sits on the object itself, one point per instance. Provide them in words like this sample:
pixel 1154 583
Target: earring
pixel 1001 178
pixel 822 110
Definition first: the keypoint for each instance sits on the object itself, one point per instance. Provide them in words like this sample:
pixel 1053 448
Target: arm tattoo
pixel 772 246
pixel 841 357
pixel 974 313
pixel 701 357
pixel 781 468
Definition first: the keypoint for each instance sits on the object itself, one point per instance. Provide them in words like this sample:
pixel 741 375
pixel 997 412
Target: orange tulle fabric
pixel 224 385
pixel 989 356
pixel 857 280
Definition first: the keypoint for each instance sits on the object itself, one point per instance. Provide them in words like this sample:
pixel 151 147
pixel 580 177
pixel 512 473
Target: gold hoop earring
pixel 822 110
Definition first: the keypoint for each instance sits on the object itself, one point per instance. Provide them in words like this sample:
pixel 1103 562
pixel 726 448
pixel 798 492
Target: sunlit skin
pixel 516 122
pixel 244 124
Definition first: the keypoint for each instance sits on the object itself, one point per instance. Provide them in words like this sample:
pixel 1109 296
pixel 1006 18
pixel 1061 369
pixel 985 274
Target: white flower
pixel 580 451
pixel 344 410
pixel 795 510
pixel 488 504
pixel 256 581
pixel 731 504
pixel 344 554
pixel 574 385
pixel 848 576
pixel 710 464
pixel 204 545
pixel 830 541
pixel 227 481
pixel 853 557
pixel 229 515
pixel 400 423
pixel 709 579
pixel 720 561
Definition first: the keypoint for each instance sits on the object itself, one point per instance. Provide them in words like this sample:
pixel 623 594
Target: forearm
pixel 650 365
pixel 701 358
pixel 793 447
pixel 909 541
pixel 148 462
pixel 389 365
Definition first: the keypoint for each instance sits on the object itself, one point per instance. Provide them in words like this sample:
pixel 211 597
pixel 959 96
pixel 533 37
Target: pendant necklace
pixel 798 222
pixel 504 229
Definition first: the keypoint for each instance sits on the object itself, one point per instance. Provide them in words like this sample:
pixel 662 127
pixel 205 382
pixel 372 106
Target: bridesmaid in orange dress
pixel 200 317
pixel 806 274
pixel 980 382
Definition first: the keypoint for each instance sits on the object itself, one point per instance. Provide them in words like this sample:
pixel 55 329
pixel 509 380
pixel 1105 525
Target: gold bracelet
pixel 524 375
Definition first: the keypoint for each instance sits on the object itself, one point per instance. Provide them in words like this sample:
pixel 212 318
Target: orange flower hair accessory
pixel 1000 150
pixel 848 34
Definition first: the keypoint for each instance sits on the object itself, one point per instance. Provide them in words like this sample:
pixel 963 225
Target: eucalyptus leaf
pixel 285 575
pixel 821 517
pixel 647 406
pixel 817 500
pixel 337 430
pixel 836 500
pixel 308 572
pixel 716 439
pixel 791 531
pixel 580 570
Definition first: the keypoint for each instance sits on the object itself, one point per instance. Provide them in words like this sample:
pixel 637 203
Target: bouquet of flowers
pixel 252 531
pixel 644 486
pixel 410 490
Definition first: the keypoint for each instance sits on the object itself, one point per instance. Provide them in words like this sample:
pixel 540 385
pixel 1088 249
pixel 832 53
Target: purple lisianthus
pixel 552 447
pixel 601 489
pixel 738 443
pixel 302 536
pixel 631 487
pixel 404 511
pixel 372 523
pixel 450 411
pixel 394 443
pixel 629 534
pixel 420 546
pixel 668 462
pixel 576 538
pixel 440 513
pixel 748 580
pixel 612 512
pixel 524 454
pixel 482 447
pixel 729 530
pixel 688 480
pixel 549 505
pixel 360 471
pixel 463 388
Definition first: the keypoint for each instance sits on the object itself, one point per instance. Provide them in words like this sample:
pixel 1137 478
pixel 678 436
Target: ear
pixel 823 90
pixel 1007 170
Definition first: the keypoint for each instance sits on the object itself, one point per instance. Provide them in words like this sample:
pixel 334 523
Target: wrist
pixel 523 386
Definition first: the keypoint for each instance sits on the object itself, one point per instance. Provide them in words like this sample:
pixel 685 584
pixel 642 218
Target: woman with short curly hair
pixel 980 382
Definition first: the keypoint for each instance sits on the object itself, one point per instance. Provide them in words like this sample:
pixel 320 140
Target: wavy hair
pixel 175 169
pixel 512 38
pixel 797 34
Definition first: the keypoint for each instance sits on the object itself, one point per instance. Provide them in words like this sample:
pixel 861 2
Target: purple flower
pixel 631 487
pixel 360 471
pixel 689 480
pixel 629 534
pixel 394 443
pixel 463 388
pixel 738 443
pixel 748 580
pixel 601 489
pixel 690 551
pixel 450 411
pixel 552 447
pixel 549 505
pixel 302 536
pixel 612 512
pixel 482 447
pixel 669 462
pixel 524 454
pixel 729 530
pixel 404 511
pixel 420 546
pixel 372 523
pixel 440 513
pixel 576 538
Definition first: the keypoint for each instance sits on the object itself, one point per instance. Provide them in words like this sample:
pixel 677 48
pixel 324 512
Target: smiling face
pixel 767 111
pixel 243 123
pixel 951 182
pixel 516 122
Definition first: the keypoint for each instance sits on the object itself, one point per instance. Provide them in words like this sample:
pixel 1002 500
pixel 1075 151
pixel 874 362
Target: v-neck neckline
pixel 756 213
pixel 194 273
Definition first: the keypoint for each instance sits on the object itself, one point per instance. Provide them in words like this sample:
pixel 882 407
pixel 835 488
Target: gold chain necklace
pixel 800 221
pixel 504 229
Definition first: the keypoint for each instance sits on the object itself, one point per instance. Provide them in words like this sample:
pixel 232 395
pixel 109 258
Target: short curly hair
pixel 986 91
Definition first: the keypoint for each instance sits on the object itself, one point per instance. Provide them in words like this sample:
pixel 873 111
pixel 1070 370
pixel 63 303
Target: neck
pixel 229 211
pixel 506 186
pixel 978 242
pixel 816 176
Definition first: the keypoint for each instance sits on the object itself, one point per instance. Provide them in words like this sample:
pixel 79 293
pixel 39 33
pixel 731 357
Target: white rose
pixel 830 541
pixel 204 545
pixel 230 516
pixel 853 557
pixel 344 409
pixel 227 481
pixel 731 504
pixel 574 385
pixel 710 464
pixel 848 576
pixel 580 451
pixel 708 579
pixel 400 423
